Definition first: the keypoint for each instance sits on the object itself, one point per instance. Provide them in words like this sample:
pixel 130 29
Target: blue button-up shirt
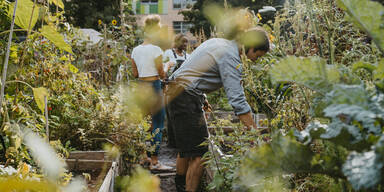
pixel 214 64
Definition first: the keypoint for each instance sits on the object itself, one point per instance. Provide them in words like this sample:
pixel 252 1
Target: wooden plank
pixel 92 155
pixel 83 165
pixel 166 174
pixel 108 182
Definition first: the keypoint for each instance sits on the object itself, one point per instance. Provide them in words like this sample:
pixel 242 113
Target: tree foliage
pixel 200 21
pixel 86 13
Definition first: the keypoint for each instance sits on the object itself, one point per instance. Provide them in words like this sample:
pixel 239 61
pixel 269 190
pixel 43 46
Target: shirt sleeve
pixel 165 56
pixel 133 54
pixel 230 73
pixel 158 52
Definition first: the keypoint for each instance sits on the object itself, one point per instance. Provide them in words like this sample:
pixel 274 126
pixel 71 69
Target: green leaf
pixel 24 13
pixel 39 94
pixel 58 3
pixel 379 72
pixel 72 68
pixel 349 94
pixel 363 170
pixel 368 16
pixel 310 72
pixel 363 65
pixel 50 33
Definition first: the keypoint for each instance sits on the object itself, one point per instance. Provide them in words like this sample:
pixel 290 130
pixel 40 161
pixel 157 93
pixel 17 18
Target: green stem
pixel 314 26
pixel 5 32
pixel 305 97
pixel 28 33
pixel 22 82
pixel 5 68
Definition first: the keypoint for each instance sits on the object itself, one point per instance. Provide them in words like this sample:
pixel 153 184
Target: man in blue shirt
pixel 214 64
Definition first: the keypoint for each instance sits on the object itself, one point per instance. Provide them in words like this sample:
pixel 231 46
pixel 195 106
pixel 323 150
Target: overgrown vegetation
pixel 65 89
pixel 321 88
pixel 326 124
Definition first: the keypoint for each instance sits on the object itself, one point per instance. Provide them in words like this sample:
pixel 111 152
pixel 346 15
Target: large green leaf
pixel 39 94
pixel 24 13
pixel 58 3
pixel 51 34
pixel 368 16
pixel 283 155
pixel 311 72
pixel 363 170
pixel 348 94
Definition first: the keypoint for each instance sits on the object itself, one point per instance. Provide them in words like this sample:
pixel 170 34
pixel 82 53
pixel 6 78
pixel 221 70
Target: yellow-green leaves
pixel 311 72
pixel 39 94
pixel 24 13
pixel 368 16
pixel 17 184
pixel 229 22
pixel 51 34
pixel 58 3
pixel 24 16
pixel 377 71
pixel 72 68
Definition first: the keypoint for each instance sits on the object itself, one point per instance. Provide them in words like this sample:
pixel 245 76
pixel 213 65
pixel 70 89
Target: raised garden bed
pixel 98 165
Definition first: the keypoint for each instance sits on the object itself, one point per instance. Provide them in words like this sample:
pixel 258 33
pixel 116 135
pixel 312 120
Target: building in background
pixel 168 11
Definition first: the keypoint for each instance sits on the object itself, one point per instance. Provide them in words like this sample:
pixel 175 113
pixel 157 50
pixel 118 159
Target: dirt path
pixel 167 156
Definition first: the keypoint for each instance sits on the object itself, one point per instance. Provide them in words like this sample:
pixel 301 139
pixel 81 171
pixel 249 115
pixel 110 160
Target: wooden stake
pixel 46 117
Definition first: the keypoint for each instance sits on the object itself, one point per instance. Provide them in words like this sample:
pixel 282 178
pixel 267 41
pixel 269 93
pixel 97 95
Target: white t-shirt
pixel 169 56
pixel 144 57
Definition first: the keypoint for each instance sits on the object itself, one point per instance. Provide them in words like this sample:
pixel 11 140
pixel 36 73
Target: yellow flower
pixel 259 16
pixel 100 22
pixel 114 22
pixel 271 37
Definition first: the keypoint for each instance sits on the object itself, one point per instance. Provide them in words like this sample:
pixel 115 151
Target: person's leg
pixel 181 172
pixel 157 132
pixel 190 131
pixel 157 123
pixel 194 173
pixel 181 165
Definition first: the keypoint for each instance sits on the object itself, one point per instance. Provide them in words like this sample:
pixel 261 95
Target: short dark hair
pixel 256 38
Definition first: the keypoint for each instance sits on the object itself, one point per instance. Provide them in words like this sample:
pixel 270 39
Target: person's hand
pixel 207 107
pixel 171 64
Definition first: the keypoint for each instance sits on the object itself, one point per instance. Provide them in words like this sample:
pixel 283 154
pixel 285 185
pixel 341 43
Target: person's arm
pixel 134 69
pixel 230 74
pixel 159 66
pixel 247 120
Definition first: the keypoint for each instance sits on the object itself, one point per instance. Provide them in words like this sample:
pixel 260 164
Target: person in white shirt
pixel 147 65
pixel 174 58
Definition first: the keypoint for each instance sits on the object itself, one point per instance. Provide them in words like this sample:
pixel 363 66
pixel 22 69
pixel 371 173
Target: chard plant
pixel 344 138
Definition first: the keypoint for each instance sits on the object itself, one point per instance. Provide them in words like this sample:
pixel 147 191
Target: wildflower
pixel 49 108
pixel 271 37
pixel 114 22
pixel 100 22
pixel 259 16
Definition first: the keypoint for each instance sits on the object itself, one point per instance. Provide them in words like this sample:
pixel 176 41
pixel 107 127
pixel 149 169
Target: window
pixel 182 4
pixel 150 7
pixel 181 27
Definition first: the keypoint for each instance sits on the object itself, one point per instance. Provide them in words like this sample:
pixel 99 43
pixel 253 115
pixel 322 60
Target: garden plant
pixel 321 89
